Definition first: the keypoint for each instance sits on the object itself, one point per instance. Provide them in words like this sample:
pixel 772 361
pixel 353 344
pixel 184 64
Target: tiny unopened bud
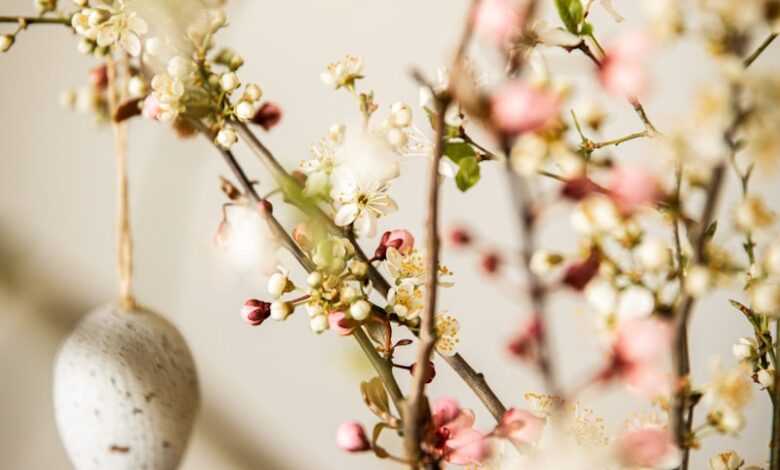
pixel 360 310
pixel 98 16
pixel 277 285
pixel 136 86
pixel 255 311
pixel 490 263
pixel 153 46
pixel 229 81
pixel 314 309
pixel 253 93
pixel 351 437
pixel 280 310
pixel 314 279
pixel 227 137
pixel 766 377
pixel 744 349
pixel 726 461
pixel 268 116
pixel 430 373
pixel 86 46
pixel 245 110
pixel 653 254
pixel 460 237
pixel 396 137
pixel 318 324
pixel 400 115
pixel 45 6
pixel 358 268
pixel 6 41
pixel 543 262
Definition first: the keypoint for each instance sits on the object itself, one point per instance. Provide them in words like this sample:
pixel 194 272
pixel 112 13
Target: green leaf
pixel 571 13
pixel 468 173
pixel 458 150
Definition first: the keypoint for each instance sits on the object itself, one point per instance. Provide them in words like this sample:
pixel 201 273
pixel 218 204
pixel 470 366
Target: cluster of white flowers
pixel 105 26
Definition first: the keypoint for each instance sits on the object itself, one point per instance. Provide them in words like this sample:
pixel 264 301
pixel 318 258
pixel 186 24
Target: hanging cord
pixel 124 239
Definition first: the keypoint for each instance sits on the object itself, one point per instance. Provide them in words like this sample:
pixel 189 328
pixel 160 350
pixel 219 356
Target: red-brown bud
pixel 430 373
pixel 255 311
pixel 491 263
pixel 268 116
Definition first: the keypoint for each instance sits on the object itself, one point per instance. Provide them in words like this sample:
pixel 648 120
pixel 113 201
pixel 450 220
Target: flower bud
pixel 543 262
pixel 430 373
pixel 229 81
pixel 226 137
pixel 280 310
pixel 396 138
pixel 253 93
pixel 98 16
pixel 744 349
pixel 518 107
pixel 360 310
pixel 490 263
pixel 314 309
pixel 6 41
pixel 340 323
pixel 98 77
pixel 653 254
pixel 351 437
pixel 460 237
pixel 578 188
pixel 268 116
pixel 358 268
pixel 697 281
pixel 318 324
pixel 400 115
pixel 579 274
pixel 255 311
pixel 314 279
pixel 86 46
pixel 45 6
pixel 277 285
pixel 136 86
pixel 245 110
pixel 401 240
pixel 766 377
pixel 349 293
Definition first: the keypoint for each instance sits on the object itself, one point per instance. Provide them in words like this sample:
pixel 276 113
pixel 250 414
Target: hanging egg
pixel 125 392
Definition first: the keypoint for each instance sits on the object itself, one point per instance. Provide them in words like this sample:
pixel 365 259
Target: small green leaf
pixel 587 29
pixel 710 232
pixel 458 150
pixel 571 13
pixel 468 173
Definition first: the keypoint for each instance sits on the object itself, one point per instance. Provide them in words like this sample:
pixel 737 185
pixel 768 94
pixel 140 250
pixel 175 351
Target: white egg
pixel 125 392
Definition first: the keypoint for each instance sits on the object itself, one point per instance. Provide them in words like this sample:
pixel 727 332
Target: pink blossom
pixel 340 323
pixel 400 239
pixel 651 447
pixel 255 311
pixel 454 435
pixel 518 107
pixel 637 356
pixel 497 20
pixel 622 72
pixel 521 427
pixel 351 437
pixel 631 188
pixel 151 108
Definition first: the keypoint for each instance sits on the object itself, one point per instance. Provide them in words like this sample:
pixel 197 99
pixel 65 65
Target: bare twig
pixel 34 20
pixel 774 457
pixel 759 50
pixel 416 417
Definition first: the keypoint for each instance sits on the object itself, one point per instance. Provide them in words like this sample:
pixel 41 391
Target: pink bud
pixel 400 239
pixel 268 116
pixel 651 447
pixel 255 311
pixel 523 344
pixel 351 437
pixel 339 323
pixel 490 263
pixel 521 427
pixel 579 188
pixel 518 107
pixel 622 72
pixel 579 274
pixel 631 188
pixel 498 20
pixel 151 108
pixel 460 237
pixel 430 372
pixel 467 447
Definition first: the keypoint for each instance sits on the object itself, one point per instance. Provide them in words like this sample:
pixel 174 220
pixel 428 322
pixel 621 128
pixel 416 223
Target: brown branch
pixel 416 417
pixel 774 455
pixel 34 20
pixel 759 50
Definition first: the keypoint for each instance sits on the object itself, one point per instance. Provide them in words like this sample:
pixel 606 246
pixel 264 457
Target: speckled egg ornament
pixel 125 391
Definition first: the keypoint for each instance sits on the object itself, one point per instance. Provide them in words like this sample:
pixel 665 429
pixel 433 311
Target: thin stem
pixel 382 367
pixel 621 140
pixel 764 44
pixel 34 20
pixel 521 197
pixel 416 417
pixel 774 458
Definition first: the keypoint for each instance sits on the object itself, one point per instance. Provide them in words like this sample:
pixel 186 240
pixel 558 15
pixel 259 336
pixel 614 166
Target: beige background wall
pixel 273 396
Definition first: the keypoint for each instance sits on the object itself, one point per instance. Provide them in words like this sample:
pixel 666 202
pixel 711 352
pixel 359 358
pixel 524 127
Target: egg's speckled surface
pixel 125 392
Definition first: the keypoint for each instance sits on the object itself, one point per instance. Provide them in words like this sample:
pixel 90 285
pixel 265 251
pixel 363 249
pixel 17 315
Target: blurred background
pixel 273 396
